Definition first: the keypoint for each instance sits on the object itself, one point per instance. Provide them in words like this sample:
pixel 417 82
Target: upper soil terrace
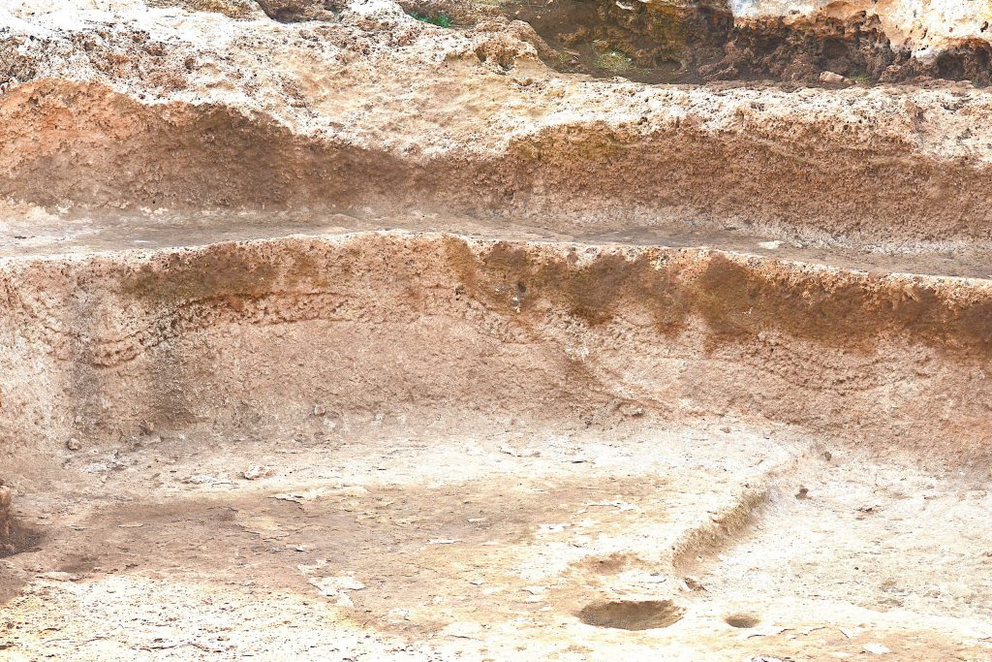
pixel 364 110
pixel 894 170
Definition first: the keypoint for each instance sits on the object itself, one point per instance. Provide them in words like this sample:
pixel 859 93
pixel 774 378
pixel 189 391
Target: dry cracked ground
pixel 495 330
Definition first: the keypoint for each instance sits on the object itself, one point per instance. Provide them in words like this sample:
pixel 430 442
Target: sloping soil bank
pixel 799 176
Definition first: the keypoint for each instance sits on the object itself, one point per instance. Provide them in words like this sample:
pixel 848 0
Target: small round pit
pixel 632 614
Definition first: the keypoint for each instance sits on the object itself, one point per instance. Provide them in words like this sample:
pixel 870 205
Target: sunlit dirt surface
pixel 497 543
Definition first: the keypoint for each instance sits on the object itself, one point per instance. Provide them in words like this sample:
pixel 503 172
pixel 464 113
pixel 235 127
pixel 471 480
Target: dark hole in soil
pixel 19 540
pixel 632 615
pixel 742 620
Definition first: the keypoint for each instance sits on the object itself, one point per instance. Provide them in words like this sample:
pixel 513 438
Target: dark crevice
pixel 292 11
pixel 696 42
pixel 14 538
pixel 632 614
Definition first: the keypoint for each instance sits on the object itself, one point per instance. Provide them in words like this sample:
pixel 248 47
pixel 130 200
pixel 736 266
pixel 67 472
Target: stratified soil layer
pixel 115 343
pixel 371 109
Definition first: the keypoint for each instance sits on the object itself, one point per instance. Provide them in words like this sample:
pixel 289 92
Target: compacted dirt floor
pixel 503 543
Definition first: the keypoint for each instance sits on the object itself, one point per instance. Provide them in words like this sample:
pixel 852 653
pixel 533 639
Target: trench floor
pixel 523 542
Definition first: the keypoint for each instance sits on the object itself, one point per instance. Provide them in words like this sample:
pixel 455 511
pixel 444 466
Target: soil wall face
pixel 249 338
pixel 803 175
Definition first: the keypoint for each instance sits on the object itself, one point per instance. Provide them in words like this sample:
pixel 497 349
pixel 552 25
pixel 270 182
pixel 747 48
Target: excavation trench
pixel 328 333
pixel 379 419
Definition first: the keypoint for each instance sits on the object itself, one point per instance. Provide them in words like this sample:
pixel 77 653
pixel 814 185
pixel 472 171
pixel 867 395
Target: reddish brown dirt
pixel 815 181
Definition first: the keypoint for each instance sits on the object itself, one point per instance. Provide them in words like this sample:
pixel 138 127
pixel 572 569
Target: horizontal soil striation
pixel 179 337
pixel 737 298
pixel 101 149
pixel 847 184
pixel 672 41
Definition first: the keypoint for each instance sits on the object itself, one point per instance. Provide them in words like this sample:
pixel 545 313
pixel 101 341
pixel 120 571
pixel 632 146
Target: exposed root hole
pixel 632 615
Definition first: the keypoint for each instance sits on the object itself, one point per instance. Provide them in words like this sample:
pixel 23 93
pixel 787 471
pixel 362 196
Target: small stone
pixel 201 479
pixel 335 587
pixel 831 78
pixel 73 444
pixel 693 583
pixel 803 493
pixel 256 471
pixel 877 649
pixel 319 410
